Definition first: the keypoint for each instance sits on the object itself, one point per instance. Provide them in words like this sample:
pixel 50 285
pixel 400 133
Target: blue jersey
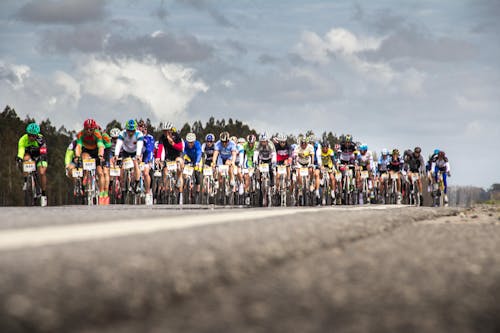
pixel 227 151
pixel 194 153
pixel 148 148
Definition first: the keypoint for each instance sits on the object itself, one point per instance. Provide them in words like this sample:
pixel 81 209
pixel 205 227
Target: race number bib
pixel 29 166
pixel 89 164
pixel 128 163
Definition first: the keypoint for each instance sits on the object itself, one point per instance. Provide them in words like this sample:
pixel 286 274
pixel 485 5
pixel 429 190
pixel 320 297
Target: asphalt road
pixel 129 269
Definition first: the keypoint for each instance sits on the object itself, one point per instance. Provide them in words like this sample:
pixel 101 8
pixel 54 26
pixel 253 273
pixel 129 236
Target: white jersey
pixel 366 159
pixel 130 144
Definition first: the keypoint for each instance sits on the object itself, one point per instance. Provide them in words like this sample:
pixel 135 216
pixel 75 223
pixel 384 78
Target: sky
pixel 394 74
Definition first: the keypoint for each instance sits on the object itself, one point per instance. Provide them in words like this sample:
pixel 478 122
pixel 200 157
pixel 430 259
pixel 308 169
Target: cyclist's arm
pixel 140 144
pixel 70 153
pixel 198 153
pixel 21 146
pixel 119 145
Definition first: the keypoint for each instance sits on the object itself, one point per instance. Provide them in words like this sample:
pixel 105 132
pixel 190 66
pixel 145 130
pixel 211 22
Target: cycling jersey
pixel 366 159
pixel 225 152
pixel 283 153
pixel 148 148
pixel 327 159
pixel 90 142
pixel 347 152
pixel 130 143
pixel 441 164
pixel 395 164
pixel 208 153
pixel 106 140
pixel 304 156
pixel 36 148
pixel 249 152
pixel 414 163
pixel 70 152
pixel 383 163
pixel 264 153
pixel 171 151
pixel 240 154
pixel 193 153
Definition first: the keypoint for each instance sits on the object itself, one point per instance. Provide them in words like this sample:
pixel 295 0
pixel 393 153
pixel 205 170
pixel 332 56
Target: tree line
pixel 59 187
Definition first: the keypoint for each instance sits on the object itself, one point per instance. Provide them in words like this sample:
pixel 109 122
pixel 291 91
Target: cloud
pixel 103 88
pixel 266 59
pixel 411 43
pixel 163 46
pixel 62 11
pixel 216 15
pixel 14 75
pixel 88 39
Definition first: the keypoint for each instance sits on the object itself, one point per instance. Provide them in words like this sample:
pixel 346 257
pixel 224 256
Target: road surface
pixel 152 269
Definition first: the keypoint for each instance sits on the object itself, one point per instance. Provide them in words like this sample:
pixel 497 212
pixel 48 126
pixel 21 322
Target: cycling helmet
pixel 281 138
pixel 115 132
pixel 441 153
pixel 251 138
pixel 325 144
pixel 224 136
pixel 234 139
pixel 33 129
pixel 436 151
pixel 89 124
pixel 241 140
pixel 363 147
pixel 302 139
pixel 167 126
pixel 263 137
pixel 417 150
pixel 191 137
pixel 210 137
pixel 385 151
pixel 141 123
pixel 131 125
pixel 336 147
pixel 408 152
pixel 348 138
pixel 395 151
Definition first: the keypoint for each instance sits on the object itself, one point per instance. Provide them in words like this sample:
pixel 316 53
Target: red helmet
pixel 90 123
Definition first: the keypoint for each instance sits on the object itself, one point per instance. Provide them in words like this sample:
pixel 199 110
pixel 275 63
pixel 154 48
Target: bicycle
pixel 189 186
pixel 282 185
pixel 414 193
pixel 303 193
pixel 77 174
pixel 209 186
pixel 348 193
pixel 265 187
pixel 115 190
pixel 128 193
pixel 171 183
pixel 393 188
pixel 157 184
pixel 31 187
pixel 438 190
pixel 364 186
pixel 224 188
pixel 91 188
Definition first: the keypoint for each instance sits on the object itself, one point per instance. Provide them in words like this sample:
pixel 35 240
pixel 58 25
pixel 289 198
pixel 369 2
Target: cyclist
pixel 104 195
pixel 129 144
pixel 208 149
pixel 32 146
pixel 365 162
pixel 442 165
pixel 192 151
pixel 249 151
pixel 396 165
pixel 147 158
pixel 284 154
pixel 414 163
pixel 170 149
pixel 89 144
pixel 240 159
pixel 317 162
pixel 225 154
pixel 304 157
pixel 265 152
pixel 69 164
pixel 382 168
pixel 328 164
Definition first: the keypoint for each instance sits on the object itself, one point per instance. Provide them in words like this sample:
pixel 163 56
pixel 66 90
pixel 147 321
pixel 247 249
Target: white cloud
pixel 165 88
pixel 14 75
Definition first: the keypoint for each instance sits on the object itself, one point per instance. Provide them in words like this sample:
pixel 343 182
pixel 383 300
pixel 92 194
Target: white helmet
pixel 115 132
pixel 191 137
pixel 263 137
pixel 281 137
pixel 167 126
pixel 241 140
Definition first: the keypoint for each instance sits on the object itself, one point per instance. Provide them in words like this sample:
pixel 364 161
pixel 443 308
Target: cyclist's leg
pixel 180 162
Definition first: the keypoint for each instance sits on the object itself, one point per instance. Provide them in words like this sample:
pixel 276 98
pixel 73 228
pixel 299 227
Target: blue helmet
pixel 210 137
pixel 436 151
pixel 363 147
pixel 131 125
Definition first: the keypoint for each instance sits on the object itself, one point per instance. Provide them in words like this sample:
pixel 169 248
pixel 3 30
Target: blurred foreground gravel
pixel 343 270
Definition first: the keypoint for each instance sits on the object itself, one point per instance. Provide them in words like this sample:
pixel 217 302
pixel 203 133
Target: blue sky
pixel 392 73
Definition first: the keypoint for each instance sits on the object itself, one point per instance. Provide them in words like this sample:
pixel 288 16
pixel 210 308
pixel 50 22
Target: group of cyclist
pixel 240 155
